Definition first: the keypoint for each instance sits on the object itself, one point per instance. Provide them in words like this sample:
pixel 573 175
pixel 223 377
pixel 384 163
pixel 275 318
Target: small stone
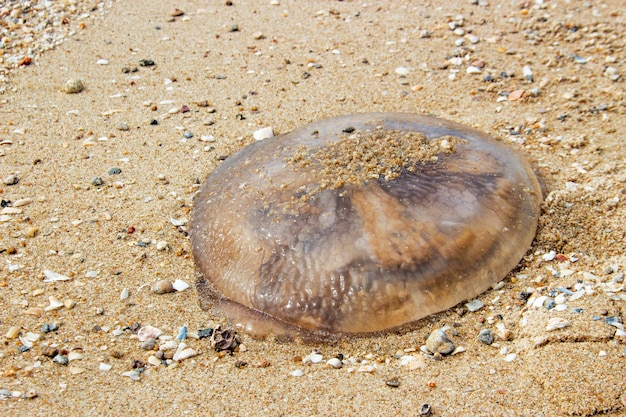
pixel 11 180
pixel 105 366
pixel 115 171
pixel 60 359
pixel 258 35
pixel 485 336
pixel 73 86
pixel 148 332
pixel 474 305
pixel 75 355
pixel 102 61
pixel 176 12
pixel 204 333
pixel 149 344
pixel 393 382
pixel 97 181
pixel 188 135
pixel 146 63
pixel 438 342
pixel 264 133
pixel 180 285
pixel 402 71
pixel 615 322
pixel 123 127
pixel 473 70
pixel 164 286
pixel 297 373
pixel 124 294
pixel 528 73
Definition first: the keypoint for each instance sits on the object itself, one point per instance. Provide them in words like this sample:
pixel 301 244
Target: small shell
pixel 334 363
pixel 163 287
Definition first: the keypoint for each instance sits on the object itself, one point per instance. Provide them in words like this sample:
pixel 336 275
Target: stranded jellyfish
pixel 360 224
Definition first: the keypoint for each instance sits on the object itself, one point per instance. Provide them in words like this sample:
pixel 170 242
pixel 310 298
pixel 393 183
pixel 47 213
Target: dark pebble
pixel 612 321
pixel 50 352
pixel 525 295
pixel 549 304
pixel 240 364
pixel 577 310
pixel 154 122
pixel 348 129
pixel 425 410
pixel 234 28
pixel 115 171
pixel 488 79
pixel 146 62
pixel 97 181
pixel 188 135
pixel 485 336
pixel 160 355
pixel 204 333
pixel 393 382
pixel 47 328
pixel 24 348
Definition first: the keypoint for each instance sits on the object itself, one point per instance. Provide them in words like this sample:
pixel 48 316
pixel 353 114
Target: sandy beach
pixel 98 180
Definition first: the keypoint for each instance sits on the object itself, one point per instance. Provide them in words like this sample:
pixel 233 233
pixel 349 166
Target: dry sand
pixel 569 121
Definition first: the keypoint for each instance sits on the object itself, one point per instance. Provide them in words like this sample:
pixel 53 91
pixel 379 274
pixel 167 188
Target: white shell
pixel 180 285
pixel 334 363
pixel 264 133
pixel 52 276
pixel 556 323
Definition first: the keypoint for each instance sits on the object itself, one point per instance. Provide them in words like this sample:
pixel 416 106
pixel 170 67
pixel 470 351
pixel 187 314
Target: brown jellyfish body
pixel 360 224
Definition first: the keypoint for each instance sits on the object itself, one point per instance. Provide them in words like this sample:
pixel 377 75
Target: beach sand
pixel 225 70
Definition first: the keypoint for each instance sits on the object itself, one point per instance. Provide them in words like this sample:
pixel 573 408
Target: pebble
pixel 115 171
pixel 164 286
pixel 180 285
pixel 124 294
pixel 438 342
pixel 13 332
pixel 204 333
pixel 182 333
pixel 393 382
pixel 297 373
pixel 97 181
pixel 102 61
pixel 510 357
pixel 188 135
pixel 149 344
pixel 105 366
pixel 474 305
pixel 10 179
pixel 60 359
pixel 73 86
pixel 527 72
pixel 75 355
pixel 402 71
pixel 485 336
pixel 615 322
pixel 473 70
pixel 263 133
pixel 148 332
pixel 123 127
